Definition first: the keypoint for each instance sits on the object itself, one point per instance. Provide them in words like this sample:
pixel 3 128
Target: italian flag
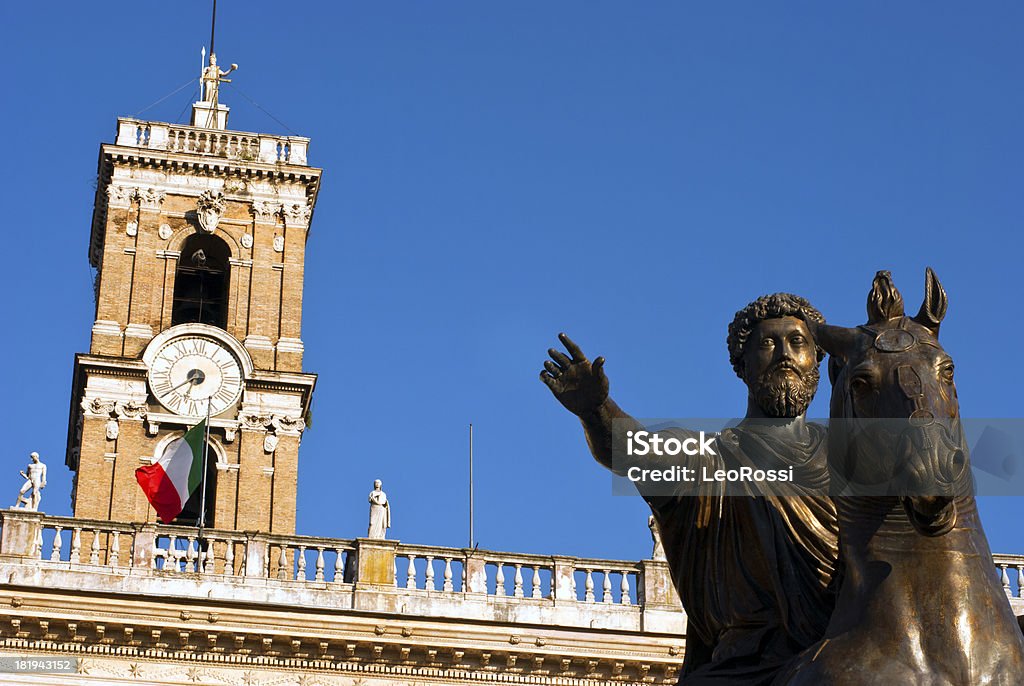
pixel 170 481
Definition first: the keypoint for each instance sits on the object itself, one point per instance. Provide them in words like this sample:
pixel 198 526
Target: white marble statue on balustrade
pixel 212 78
pixel 659 550
pixel 35 481
pixel 380 512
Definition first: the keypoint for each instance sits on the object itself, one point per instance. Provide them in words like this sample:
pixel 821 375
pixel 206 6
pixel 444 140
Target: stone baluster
pixel 229 558
pixel 37 544
pixel 1005 578
pixel 282 563
pixel 606 587
pixel 209 558
pixel 1020 581
pixel 94 552
pixel 499 581
pixel 535 583
pixel 76 545
pixel 624 589
pixel 114 554
pixel 448 585
pixel 172 553
pixel 339 566
pixel 428 580
pixel 319 576
pixel 517 589
pixel 57 542
pixel 191 556
pixel 300 570
pixel 589 586
pixel 410 575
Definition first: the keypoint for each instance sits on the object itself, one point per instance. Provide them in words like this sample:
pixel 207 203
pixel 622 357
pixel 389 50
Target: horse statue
pixel 920 601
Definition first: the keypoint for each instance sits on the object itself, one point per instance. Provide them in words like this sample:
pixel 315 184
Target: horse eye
pixel 860 385
pixel 947 373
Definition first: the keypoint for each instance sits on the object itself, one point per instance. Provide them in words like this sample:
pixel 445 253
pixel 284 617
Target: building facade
pixel 198 238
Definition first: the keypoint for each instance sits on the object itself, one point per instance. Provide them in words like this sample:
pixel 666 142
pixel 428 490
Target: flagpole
pixel 202 482
pixel 471 485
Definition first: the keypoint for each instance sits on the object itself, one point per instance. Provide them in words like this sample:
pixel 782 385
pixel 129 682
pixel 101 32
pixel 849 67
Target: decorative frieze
pixel 131 410
pixel 297 214
pixel 264 211
pixel 120 196
pixel 150 198
pixel 285 424
pixel 98 407
pixel 255 422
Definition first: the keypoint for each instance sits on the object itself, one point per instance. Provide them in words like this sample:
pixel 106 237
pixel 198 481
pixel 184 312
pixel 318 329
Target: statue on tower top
pixel 212 77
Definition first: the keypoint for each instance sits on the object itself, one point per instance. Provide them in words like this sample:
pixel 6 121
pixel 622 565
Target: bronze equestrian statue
pixel 756 572
pixel 920 602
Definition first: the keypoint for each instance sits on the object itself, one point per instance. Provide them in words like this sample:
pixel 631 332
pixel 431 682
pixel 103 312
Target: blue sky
pixel 631 173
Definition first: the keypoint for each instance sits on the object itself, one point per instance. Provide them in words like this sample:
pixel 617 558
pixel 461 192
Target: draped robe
pixel 757 573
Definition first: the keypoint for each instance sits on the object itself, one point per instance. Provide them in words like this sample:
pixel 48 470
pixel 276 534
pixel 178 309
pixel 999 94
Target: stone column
pixel 20 532
pixel 145 543
pixel 256 549
pixel 375 562
pixel 476 572
pixel 561 578
pixel 661 609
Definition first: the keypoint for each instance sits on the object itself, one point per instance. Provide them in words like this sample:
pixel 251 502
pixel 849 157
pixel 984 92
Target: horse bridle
pixel 898 340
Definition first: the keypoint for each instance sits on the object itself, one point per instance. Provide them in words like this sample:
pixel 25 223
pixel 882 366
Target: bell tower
pixel 198 240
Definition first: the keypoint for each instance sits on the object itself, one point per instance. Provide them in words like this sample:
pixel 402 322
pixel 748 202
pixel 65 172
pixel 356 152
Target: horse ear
pixel 933 309
pixel 884 300
pixel 837 341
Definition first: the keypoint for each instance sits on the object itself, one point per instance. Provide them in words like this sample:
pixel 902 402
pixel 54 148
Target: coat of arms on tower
pixel 210 209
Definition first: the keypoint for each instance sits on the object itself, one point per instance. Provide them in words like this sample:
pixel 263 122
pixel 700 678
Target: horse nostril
pixel 957 465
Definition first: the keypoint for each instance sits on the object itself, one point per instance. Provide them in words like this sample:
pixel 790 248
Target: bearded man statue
pixel 754 563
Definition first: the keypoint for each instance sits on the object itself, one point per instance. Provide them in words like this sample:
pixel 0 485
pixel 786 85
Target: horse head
pixel 894 428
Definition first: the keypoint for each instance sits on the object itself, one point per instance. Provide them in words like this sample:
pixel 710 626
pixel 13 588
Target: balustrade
pixel 505 577
pixel 1011 574
pixel 233 145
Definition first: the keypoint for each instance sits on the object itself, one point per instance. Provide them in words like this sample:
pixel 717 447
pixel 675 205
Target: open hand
pixel 580 385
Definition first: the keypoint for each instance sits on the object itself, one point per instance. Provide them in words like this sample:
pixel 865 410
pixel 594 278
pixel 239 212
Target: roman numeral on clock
pixel 224 395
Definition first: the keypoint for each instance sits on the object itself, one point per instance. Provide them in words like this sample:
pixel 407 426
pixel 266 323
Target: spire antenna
pixel 213 25
pixel 209 112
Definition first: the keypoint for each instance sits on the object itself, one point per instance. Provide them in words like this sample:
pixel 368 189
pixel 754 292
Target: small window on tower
pixel 201 282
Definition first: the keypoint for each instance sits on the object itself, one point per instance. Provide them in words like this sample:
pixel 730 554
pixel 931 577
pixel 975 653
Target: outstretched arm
pixel 582 388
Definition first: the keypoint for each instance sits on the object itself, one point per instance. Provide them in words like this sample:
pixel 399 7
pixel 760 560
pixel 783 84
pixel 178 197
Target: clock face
pixel 190 372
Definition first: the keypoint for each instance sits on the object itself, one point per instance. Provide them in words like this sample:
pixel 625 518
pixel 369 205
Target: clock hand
pixel 194 377
pixel 189 381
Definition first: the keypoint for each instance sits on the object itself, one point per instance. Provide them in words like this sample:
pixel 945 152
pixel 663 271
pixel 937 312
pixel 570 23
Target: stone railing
pixel 452 570
pixel 233 145
pixel 369 574
pixel 1011 574
pixel 363 574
